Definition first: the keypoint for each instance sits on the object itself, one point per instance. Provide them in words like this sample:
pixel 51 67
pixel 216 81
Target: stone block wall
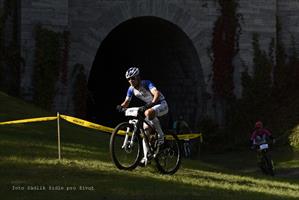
pixel 288 15
pixel 53 14
pixel 90 21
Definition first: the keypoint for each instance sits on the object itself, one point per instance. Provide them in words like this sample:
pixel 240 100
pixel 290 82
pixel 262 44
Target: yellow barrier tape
pixel 185 136
pixel 85 123
pixel 88 124
pixel 38 119
pixel 189 136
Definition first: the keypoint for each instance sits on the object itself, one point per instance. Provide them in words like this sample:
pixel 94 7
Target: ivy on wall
pixel 2 24
pixel 224 47
pixel 274 99
pixel 270 93
pixel 279 72
pixel 79 96
pixel 293 69
pixel 256 99
pixel 10 59
pixel 256 93
pixel 65 56
pixel 286 94
pixel 48 59
pixel 286 71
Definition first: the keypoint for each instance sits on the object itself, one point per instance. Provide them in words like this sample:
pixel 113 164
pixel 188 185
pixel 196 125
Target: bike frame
pixel 138 124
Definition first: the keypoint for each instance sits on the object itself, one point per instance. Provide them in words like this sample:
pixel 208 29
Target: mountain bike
pixel 126 144
pixel 265 161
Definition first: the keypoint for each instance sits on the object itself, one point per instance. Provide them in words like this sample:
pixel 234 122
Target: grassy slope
pixel 28 157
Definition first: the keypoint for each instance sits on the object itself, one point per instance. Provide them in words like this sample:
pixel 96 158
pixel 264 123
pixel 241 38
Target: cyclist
pixel 260 134
pixel 156 105
pixel 181 126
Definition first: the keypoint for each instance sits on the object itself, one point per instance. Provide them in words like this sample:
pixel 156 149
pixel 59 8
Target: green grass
pixel 28 162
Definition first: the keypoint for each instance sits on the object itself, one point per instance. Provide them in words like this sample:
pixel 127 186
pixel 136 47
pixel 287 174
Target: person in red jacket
pixel 260 134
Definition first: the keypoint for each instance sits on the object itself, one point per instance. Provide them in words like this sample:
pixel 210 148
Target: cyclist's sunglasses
pixel 132 78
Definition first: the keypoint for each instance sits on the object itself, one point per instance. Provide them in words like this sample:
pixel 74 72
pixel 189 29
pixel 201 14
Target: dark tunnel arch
pixel 164 54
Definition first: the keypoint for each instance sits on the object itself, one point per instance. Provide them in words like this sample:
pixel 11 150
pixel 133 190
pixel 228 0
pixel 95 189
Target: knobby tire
pixel 114 148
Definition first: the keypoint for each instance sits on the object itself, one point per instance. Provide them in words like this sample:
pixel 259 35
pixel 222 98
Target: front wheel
pixel 125 152
pixel 267 165
pixel 168 159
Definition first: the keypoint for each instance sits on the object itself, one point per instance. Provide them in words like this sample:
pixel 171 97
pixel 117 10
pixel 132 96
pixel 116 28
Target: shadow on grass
pixel 31 161
pixel 31 150
pixel 108 183
pixel 40 140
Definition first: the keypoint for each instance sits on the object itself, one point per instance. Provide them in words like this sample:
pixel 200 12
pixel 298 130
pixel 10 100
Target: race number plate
pixel 133 112
pixel 264 146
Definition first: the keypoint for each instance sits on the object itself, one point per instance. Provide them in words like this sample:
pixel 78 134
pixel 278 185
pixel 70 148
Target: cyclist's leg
pixel 188 147
pixel 152 114
pixel 147 130
pixel 185 149
pixel 145 152
pixel 156 124
pixel 158 128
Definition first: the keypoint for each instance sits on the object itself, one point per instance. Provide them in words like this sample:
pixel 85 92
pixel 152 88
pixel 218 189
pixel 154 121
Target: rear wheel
pixel 124 154
pixel 168 159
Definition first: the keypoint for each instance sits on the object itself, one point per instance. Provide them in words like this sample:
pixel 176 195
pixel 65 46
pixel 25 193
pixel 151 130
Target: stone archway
pixel 165 55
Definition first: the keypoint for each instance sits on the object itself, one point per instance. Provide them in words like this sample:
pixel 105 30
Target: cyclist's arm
pixel 126 103
pixel 252 138
pixel 127 100
pixel 267 132
pixel 269 135
pixel 156 95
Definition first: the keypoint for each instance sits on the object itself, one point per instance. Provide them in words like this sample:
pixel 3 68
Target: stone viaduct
pixel 169 39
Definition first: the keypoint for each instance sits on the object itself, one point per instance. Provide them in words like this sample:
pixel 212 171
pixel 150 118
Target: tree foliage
pixel 48 59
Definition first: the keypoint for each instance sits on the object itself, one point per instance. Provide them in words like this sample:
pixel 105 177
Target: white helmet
pixel 131 72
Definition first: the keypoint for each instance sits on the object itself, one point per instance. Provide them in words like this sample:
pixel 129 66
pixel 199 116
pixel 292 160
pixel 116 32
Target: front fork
pixel 131 142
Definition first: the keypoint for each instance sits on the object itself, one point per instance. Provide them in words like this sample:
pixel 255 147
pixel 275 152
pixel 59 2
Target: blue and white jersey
pixel 143 92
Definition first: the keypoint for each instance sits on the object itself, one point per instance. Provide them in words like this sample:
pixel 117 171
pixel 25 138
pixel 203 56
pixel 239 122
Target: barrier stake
pixel 58 136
